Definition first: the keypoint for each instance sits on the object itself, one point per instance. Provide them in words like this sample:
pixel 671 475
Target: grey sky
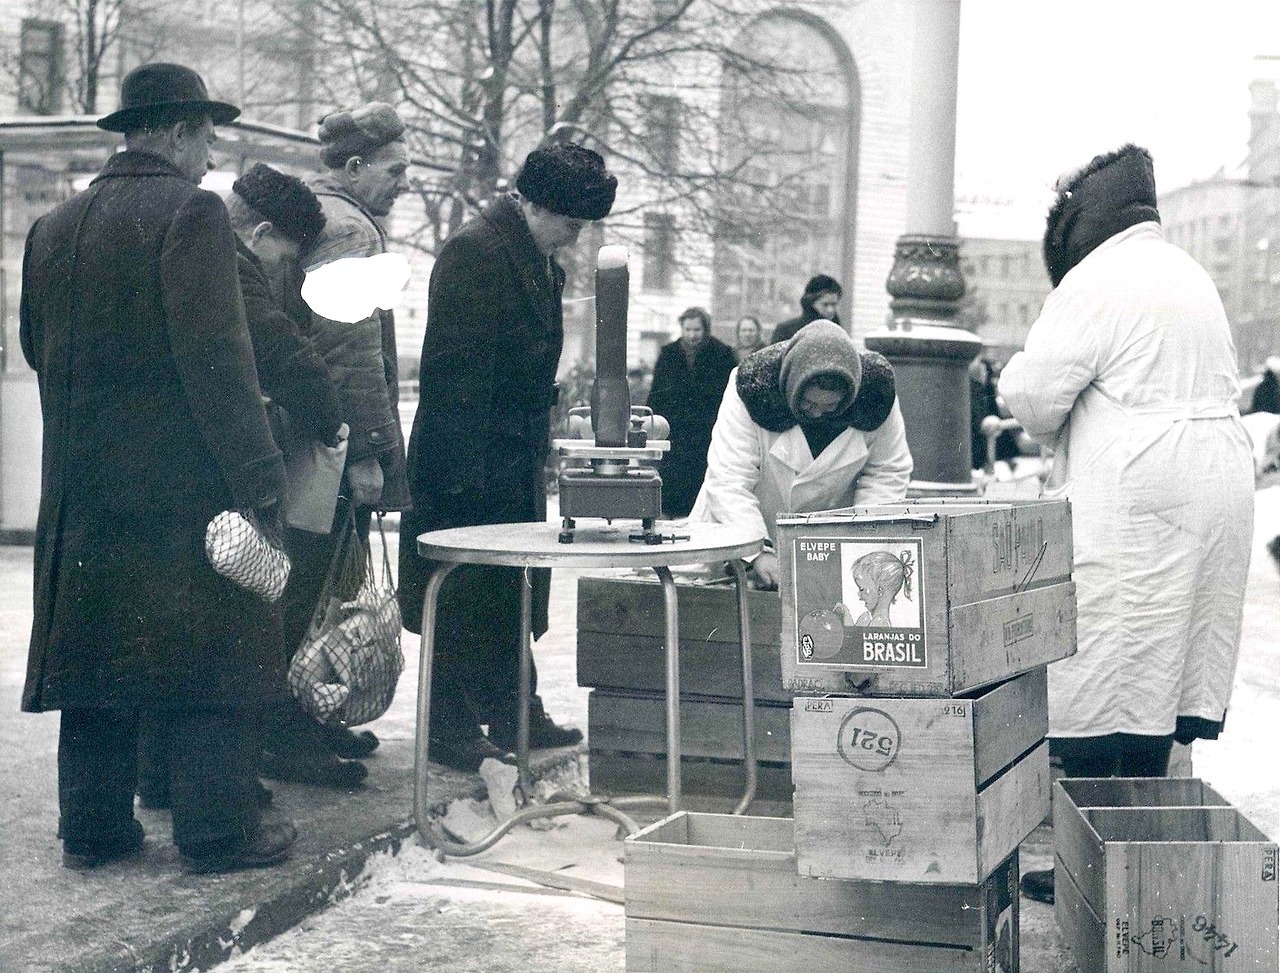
pixel 1047 84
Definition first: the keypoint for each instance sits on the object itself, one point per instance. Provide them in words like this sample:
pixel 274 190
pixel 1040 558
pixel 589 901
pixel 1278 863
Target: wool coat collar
pixel 539 275
pixel 760 388
pixel 133 162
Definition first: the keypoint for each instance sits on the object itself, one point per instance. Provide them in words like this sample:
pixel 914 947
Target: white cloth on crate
pixel 754 474
pixel 1130 376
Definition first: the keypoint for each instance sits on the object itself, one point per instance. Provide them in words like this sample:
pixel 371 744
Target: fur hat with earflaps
pixel 568 179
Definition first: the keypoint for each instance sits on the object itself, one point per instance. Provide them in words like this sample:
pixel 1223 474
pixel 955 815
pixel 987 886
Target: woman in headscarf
pixel 809 424
pixel 1129 376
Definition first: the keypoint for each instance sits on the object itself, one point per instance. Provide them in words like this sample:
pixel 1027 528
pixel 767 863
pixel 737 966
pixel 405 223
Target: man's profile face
pixel 552 230
pixel 192 147
pixel 272 247
pixel 378 179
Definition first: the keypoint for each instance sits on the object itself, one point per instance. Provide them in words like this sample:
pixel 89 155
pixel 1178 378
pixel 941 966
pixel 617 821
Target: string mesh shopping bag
pixel 247 552
pixel 346 670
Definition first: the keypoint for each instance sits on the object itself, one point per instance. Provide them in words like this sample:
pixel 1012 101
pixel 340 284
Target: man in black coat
pixel 480 438
pixel 153 425
pixel 689 380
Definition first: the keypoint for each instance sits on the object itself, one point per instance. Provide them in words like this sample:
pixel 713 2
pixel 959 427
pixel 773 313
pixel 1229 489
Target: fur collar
pixel 761 392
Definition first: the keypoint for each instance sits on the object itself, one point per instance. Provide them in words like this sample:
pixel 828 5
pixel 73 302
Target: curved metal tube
pixel 748 687
pixel 434 838
pixel 423 736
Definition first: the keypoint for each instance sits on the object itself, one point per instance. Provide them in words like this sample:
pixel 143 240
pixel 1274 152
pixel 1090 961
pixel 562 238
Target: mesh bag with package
pixel 247 552
pixel 346 669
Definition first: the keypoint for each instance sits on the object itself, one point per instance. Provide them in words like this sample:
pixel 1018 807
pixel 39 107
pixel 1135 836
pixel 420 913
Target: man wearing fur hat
pixel 809 424
pixel 480 436
pixel 1129 376
pixel 367 165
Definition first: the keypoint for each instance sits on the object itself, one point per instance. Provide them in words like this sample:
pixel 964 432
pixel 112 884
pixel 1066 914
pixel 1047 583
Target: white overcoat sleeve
pixel 887 472
pixel 1041 384
pixel 734 465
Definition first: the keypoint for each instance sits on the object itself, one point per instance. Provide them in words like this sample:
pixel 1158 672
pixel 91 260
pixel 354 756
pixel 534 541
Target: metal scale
pixel 613 443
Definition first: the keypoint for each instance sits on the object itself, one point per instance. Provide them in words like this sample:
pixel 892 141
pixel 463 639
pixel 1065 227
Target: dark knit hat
pixel 285 200
pixel 358 131
pixel 820 348
pixel 1113 192
pixel 822 284
pixel 160 94
pixel 568 179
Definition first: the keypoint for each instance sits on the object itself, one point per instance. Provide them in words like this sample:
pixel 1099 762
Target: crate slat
pixel 638 664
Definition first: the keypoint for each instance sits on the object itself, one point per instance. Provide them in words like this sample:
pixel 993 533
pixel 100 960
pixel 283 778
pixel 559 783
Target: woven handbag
pixel 346 669
pixel 248 553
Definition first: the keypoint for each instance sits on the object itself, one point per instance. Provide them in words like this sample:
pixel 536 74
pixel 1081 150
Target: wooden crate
pixel 628 737
pixel 1162 874
pixel 988 596
pixel 622 630
pixel 711 892
pixel 919 790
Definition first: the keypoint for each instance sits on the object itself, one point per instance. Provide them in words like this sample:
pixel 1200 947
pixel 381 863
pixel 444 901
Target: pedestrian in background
pixel 1129 376
pixel 809 424
pixel 480 439
pixel 817 303
pixel 153 425
pixel 366 171
pixel 748 337
pixel 689 378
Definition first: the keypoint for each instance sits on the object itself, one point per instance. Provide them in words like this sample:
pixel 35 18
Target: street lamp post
pixel 929 352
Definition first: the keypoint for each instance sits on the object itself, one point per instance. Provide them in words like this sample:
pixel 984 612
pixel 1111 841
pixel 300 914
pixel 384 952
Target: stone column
pixel 930 354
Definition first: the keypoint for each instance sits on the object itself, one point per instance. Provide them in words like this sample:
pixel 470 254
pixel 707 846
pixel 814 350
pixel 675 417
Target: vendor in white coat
pixel 807 424
pixel 1129 376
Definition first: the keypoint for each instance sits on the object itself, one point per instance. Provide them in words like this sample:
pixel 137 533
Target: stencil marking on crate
pixel 859 602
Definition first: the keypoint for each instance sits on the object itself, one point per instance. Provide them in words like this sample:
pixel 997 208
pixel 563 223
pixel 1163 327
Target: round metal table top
pixel 595 545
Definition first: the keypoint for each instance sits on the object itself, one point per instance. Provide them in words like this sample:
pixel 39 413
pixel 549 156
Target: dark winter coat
pixel 361 357
pixel 290 372
pixel 153 424
pixel 689 398
pixel 487 383
pixel 788 328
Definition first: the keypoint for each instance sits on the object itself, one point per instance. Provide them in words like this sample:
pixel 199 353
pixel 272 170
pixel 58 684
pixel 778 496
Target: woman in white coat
pixel 1129 376
pixel 807 424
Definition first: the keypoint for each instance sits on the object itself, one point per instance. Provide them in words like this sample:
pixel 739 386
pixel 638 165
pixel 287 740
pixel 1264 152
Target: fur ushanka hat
pixel 285 200
pixel 358 131
pixel 568 179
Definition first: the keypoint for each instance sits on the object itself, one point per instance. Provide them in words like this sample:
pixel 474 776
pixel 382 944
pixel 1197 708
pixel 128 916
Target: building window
pixel 40 71
pixel 664 131
pixel 659 251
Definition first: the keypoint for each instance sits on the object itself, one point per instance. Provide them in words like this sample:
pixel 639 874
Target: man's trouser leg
pixel 97 774
pixel 213 760
pixel 1115 755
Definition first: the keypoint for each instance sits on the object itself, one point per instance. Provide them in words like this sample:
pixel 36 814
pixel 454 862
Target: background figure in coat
pixel 689 379
pixel 480 439
pixel 1129 376
pixel 748 337
pixel 367 170
pixel 809 424
pixel 153 425
pixel 817 303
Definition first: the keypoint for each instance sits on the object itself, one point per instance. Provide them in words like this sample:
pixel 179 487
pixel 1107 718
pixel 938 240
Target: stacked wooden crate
pixel 924 760
pixel 1162 874
pixel 622 658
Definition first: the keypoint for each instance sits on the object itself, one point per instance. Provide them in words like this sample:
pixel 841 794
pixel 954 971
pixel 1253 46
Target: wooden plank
pixel 708 727
pixel 1207 903
pixel 1140 792
pixel 1082 930
pixel 737 874
pixel 635 607
pixel 1010 808
pixel 1017 545
pixel 628 773
pixel 990 640
pixel 555 880
pixel 1009 720
pixel 1192 824
pixel 638 663
pixel 656 946
pixel 1078 847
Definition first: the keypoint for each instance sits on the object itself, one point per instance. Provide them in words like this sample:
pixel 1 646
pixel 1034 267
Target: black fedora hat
pixel 157 92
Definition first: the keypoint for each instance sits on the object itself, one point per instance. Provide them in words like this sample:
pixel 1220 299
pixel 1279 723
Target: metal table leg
pixel 672 614
pixel 430 835
pixel 526 676
pixel 748 688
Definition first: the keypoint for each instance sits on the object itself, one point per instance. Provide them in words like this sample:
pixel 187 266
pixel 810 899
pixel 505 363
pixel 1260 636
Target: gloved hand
pixel 365 479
